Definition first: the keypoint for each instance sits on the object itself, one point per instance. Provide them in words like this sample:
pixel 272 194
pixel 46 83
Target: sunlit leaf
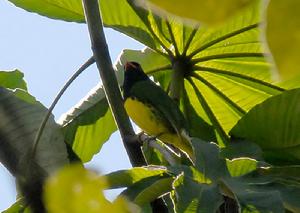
pixel 124 178
pixel 283 35
pixel 241 166
pixel 57 9
pixel 12 80
pixel 148 189
pixel 89 124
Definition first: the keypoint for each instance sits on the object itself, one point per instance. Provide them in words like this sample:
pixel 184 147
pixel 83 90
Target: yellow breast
pixel 143 115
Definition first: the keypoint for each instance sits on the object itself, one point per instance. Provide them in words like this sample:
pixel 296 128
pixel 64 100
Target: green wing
pixel 151 94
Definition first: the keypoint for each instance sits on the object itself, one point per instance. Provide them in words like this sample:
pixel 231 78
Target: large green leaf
pixel 57 9
pixel 277 185
pixel 12 80
pixel 282 33
pixel 30 162
pixel 274 126
pixel 254 199
pixel 89 124
pixel 20 119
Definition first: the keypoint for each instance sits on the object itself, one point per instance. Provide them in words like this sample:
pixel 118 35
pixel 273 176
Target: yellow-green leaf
pixel 75 189
pixel 283 35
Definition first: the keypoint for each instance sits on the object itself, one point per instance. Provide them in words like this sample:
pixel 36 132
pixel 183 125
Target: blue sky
pixel 48 52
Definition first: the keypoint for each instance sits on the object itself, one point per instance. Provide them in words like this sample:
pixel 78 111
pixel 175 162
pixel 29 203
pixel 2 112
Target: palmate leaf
pixel 89 124
pixel 224 69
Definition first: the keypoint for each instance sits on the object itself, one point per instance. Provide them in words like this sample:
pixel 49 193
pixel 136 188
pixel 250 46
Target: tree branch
pixel 109 80
pixel 112 91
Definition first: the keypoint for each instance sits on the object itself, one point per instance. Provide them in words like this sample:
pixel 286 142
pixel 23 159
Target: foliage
pixel 224 82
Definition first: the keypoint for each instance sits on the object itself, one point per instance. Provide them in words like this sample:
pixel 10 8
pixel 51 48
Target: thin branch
pixel 109 80
pixel 163 150
pixel 38 136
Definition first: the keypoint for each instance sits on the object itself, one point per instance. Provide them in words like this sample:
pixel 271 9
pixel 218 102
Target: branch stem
pixel 176 85
pixel 38 136
pixel 109 80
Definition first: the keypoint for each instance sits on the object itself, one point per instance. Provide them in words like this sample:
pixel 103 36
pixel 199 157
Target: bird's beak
pixel 129 65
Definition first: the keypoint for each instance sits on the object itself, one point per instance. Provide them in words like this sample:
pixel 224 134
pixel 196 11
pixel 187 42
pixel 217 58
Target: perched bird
pixel 150 107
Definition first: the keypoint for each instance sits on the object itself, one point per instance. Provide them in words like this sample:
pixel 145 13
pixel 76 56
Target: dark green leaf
pixel 191 196
pixel 208 161
pixel 241 148
pixel 19 123
pixel 253 198
pixel 274 126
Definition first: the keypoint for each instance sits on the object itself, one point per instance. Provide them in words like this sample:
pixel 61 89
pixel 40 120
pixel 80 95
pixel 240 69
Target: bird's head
pixel 133 74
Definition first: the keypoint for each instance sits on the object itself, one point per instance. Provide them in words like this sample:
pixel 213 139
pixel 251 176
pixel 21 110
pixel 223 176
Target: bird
pixel 153 110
